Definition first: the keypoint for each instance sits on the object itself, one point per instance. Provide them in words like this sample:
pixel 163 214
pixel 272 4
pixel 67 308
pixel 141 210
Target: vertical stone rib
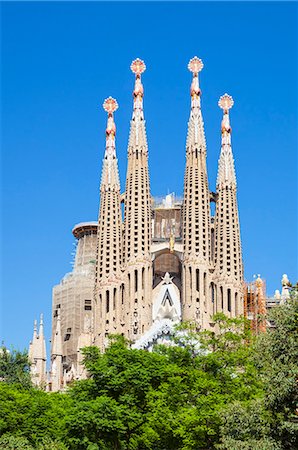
pixel 196 211
pixel 137 219
pixel 228 255
pixel 108 283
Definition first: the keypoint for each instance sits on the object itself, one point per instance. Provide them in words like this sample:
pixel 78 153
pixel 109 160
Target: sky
pixel 61 60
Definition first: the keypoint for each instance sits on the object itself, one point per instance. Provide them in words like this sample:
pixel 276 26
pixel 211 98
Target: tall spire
pixel 37 355
pixel 57 352
pixel 137 217
pixel 195 135
pixel 110 175
pixel 41 325
pixel 196 212
pixel 57 342
pixel 228 255
pixel 137 135
pixel 138 67
pixel 226 170
pixel 108 283
pixel 35 330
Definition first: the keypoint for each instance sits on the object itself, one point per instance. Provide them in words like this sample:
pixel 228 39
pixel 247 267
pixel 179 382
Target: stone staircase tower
pixel 228 275
pixel 108 279
pixel 196 214
pixel 137 219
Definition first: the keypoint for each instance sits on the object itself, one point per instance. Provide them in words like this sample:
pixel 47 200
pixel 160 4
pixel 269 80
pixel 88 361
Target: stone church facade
pixel 161 261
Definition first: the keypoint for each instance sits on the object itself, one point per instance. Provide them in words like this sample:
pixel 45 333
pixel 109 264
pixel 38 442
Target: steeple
pixel 110 176
pixel 37 355
pixel 137 136
pixel 109 285
pixel 137 217
pixel 228 256
pixel 195 135
pixel 196 212
pixel 56 357
pixel 57 341
pixel 226 170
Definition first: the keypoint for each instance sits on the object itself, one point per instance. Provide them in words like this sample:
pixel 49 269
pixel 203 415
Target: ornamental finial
pixel 110 105
pixel 195 65
pixel 226 102
pixel 259 281
pixel 138 66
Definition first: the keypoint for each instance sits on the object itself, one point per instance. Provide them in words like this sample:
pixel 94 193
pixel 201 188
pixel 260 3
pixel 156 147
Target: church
pixel 148 264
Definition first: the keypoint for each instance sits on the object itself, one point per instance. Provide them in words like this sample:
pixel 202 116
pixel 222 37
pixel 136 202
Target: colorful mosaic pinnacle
pixel 110 105
pixel 195 65
pixel 226 102
pixel 138 66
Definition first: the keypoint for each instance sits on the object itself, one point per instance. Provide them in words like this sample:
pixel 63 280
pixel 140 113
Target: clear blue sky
pixel 59 62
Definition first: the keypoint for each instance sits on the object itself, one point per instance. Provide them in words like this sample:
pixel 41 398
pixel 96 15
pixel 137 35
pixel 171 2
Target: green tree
pixel 269 422
pixel 277 355
pixel 14 367
pixel 32 414
pixel 171 398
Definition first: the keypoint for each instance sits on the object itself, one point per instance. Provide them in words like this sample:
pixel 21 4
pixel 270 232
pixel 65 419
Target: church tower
pixel 228 275
pixel 108 283
pixel 196 213
pixel 37 355
pixel 56 374
pixel 137 219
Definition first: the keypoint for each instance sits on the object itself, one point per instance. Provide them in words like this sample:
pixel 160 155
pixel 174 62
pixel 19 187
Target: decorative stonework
pixel 138 66
pixel 195 65
pixel 131 281
pixel 226 102
pixel 110 105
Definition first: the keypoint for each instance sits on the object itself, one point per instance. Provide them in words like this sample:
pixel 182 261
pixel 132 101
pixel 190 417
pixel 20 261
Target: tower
pixel 56 375
pixel 108 280
pixel 37 355
pixel 196 213
pixel 73 296
pixel 137 219
pixel 228 275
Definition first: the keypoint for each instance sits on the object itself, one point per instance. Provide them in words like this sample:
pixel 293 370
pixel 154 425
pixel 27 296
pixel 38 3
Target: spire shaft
pixel 226 170
pixel 196 211
pixel 137 217
pixel 110 175
pixel 228 273
pixel 108 279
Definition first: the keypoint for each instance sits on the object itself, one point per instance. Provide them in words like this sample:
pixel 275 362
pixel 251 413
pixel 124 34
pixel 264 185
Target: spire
pixel 108 278
pixel 196 211
pixel 196 135
pixel 137 217
pixel 110 175
pixel 57 341
pixel 41 326
pixel 138 67
pixel 227 246
pixel 137 130
pixel 37 354
pixel 35 330
pixel 226 170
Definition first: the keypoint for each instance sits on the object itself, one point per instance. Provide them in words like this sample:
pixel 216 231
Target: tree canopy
pixel 221 390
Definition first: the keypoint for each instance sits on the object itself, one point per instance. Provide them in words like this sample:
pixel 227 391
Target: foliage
pixel 269 422
pixel 216 390
pixel 278 366
pixel 14 367
pixel 171 398
pixel 31 413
